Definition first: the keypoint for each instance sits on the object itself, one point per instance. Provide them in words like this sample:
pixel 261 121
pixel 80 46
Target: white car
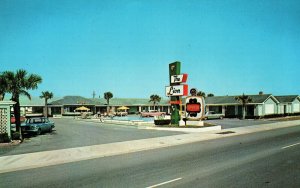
pixel 213 115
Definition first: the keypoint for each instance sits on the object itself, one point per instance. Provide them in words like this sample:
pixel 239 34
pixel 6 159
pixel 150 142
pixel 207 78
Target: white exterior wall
pixel 258 111
pixel 289 108
pixel 270 107
pixel 280 109
pixel 296 106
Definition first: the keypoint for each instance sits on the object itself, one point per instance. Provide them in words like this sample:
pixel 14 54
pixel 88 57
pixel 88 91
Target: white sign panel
pixel 178 78
pixel 195 107
pixel 179 90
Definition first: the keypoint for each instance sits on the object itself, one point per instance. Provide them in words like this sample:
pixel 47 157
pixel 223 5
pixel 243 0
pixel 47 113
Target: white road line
pixel 163 183
pixel 290 146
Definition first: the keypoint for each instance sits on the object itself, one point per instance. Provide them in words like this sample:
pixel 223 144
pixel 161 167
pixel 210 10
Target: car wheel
pixel 50 130
pixel 38 132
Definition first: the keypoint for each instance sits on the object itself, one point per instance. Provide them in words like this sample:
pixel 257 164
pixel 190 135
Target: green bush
pixel 4 138
pixel 15 135
pixel 162 122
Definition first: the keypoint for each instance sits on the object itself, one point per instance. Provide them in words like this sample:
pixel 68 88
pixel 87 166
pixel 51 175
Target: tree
pixel 155 99
pixel 201 93
pixel 17 84
pixel 3 86
pixel 108 95
pixel 46 95
pixel 244 100
pixel 210 95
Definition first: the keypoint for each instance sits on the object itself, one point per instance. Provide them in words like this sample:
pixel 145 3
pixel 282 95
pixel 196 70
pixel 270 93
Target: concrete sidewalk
pixel 55 157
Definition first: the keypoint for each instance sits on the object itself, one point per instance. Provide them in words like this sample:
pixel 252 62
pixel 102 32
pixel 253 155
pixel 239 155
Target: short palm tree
pixel 3 87
pixel 244 100
pixel 201 93
pixel 46 95
pixel 155 99
pixel 108 95
pixel 17 84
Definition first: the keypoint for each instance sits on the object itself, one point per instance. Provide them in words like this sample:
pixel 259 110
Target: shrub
pixel 4 138
pixel 15 135
pixel 162 122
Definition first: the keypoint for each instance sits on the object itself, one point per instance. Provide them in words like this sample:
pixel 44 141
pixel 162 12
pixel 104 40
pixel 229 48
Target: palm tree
pixel 3 87
pixel 46 95
pixel 244 100
pixel 210 95
pixel 201 93
pixel 108 95
pixel 17 84
pixel 155 99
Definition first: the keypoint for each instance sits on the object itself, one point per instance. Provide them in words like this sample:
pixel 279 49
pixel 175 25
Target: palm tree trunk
pixel 244 111
pixel 2 95
pixel 46 106
pixel 107 107
pixel 17 115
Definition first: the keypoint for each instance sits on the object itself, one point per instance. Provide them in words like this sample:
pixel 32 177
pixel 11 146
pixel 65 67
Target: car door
pixel 47 124
pixel 42 125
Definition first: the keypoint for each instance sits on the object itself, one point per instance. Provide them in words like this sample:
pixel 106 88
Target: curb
pixel 186 130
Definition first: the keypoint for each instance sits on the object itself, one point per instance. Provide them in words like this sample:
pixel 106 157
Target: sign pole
pixel 181 122
pixel 174 69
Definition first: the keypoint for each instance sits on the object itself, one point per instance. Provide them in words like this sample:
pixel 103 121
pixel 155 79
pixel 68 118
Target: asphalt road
pixel 264 159
pixel 69 133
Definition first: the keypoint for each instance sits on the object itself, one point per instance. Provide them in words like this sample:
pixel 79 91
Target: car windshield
pixel 36 120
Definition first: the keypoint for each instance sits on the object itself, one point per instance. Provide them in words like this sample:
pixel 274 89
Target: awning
pixel 82 108
pixel 123 108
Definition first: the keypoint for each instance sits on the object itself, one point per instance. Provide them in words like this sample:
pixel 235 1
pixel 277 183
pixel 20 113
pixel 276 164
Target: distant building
pixel 289 104
pixel 262 105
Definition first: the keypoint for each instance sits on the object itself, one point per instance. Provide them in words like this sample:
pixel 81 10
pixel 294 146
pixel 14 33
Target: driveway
pixel 232 123
pixel 69 133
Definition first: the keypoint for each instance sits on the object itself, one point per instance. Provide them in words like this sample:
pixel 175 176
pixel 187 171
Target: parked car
pixel 121 113
pixel 13 119
pixel 37 125
pixel 213 115
pixel 152 113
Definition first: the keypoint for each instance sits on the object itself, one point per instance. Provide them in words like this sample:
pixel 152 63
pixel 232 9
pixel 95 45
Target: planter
pixel 162 121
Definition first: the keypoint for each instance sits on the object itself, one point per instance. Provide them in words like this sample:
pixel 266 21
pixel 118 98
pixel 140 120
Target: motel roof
pixel 77 100
pixel 230 100
pixel 287 98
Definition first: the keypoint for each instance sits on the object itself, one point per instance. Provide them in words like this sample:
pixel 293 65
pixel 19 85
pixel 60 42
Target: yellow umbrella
pixel 123 108
pixel 82 108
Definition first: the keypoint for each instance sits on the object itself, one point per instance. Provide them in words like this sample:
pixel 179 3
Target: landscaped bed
pixel 187 126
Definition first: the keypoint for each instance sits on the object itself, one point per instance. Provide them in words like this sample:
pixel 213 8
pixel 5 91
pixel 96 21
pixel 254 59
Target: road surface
pixel 263 159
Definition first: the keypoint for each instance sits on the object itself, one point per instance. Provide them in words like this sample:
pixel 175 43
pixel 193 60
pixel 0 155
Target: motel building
pixel 262 105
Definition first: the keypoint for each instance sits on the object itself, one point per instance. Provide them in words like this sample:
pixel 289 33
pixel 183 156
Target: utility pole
pixel 94 94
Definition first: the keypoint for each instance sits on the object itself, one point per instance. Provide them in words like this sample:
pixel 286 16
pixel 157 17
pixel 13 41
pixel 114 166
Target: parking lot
pixel 70 133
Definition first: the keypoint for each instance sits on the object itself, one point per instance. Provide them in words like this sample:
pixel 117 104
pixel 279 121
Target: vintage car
pixel 37 125
pixel 121 113
pixel 13 119
pixel 152 113
pixel 213 115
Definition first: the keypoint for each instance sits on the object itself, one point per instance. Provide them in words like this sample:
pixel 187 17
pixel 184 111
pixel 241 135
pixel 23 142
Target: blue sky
pixel 226 47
